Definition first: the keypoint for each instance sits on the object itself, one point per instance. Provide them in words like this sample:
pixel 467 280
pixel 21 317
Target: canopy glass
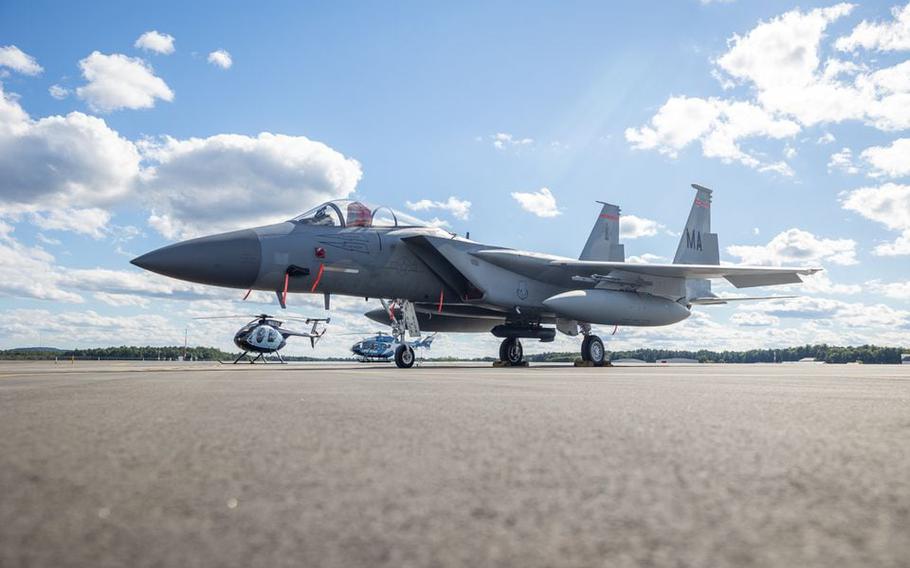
pixel 350 213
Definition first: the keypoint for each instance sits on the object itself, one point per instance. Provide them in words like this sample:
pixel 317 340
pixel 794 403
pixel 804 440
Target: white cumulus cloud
pixel 888 204
pixel 791 85
pixel 797 247
pixel 65 172
pixel 853 314
pixel 881 36
pixel 843 161
pixel 647 258
pixel 781 59
pixel 753 319
pixel 821 283
pixel 58 92
pixel 459 208
pixel 88 328
pixel 227 181
pixel 61 162
pixel 718 125
pixel 632 227
pixel 28 272
pixel 894 290
pixel 892 161
pixel 14 58
pixel 117 81
pixel 221 58
pixel 503 140
pixel 782 51
pixel 156 41
pixel 90 221
pixel 134 283
pixel 541 203
pixel 32 272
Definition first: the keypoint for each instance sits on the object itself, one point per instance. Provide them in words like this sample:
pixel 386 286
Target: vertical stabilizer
pixel 603 242
pixel 697 244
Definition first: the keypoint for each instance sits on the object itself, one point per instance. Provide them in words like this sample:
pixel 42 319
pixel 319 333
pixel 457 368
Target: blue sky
pixel 115 145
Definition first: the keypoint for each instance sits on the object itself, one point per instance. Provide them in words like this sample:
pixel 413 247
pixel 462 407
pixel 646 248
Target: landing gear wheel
pixel 510 351
pixel 584 348
pixel 404 356
pixel 592 349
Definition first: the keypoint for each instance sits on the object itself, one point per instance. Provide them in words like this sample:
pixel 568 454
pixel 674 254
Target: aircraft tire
pixel 584 348
pixel 511 351
pixel 592 349
pixel 404 356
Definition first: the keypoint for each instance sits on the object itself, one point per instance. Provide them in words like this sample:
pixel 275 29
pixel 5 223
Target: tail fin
pixel 603 242
pixel 698 245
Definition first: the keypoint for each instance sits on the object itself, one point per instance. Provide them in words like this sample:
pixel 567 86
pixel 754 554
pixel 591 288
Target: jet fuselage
pixel 429 267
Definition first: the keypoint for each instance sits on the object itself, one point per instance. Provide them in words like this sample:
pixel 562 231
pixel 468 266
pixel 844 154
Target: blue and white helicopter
pixel 382 346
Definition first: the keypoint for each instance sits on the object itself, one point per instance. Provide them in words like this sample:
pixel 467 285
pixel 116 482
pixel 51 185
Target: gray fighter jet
pixel 439 281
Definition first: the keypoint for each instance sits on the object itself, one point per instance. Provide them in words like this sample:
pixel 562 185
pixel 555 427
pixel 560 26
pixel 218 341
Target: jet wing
pixel 557 269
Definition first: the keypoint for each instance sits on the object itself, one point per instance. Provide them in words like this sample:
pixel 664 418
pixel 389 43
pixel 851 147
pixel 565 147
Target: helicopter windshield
pixel 349 213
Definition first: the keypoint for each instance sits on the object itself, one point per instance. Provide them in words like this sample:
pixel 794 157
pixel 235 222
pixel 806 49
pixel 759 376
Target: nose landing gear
pixel 592 349
pixel 404 353
pixel 404 356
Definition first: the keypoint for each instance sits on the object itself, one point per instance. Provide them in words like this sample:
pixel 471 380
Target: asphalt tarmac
pixel 111 464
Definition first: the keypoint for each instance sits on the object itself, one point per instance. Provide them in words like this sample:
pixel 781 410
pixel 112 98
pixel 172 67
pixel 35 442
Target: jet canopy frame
pixel 353 213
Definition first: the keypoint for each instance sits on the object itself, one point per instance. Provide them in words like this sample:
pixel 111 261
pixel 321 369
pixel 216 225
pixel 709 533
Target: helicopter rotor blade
pixel 225 317
pixel 361 333
pixel 257 316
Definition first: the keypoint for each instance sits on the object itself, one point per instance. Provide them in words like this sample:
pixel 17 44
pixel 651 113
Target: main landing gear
pixel 592 350
pixel 511 354
pixel 510 351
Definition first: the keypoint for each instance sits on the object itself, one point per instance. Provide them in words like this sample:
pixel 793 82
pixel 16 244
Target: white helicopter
pixel 264 335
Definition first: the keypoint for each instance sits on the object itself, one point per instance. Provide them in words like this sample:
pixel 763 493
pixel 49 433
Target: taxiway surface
pixel 112 464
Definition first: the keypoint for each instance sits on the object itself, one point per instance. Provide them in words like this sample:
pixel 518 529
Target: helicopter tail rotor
pixel 315 333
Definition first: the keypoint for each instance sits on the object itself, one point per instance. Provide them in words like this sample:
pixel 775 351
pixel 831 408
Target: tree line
pixel 869 354
pixel 123 352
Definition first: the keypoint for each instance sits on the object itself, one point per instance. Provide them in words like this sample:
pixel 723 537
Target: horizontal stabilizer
pixel 762 279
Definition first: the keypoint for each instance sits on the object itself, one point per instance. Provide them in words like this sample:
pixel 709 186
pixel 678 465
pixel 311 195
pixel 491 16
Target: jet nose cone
pixel 229 259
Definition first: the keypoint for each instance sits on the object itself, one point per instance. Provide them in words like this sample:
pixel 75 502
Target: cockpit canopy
pixel 350 213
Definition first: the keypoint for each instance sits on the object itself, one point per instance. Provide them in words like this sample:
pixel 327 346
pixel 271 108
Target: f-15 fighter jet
pixel 439 281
